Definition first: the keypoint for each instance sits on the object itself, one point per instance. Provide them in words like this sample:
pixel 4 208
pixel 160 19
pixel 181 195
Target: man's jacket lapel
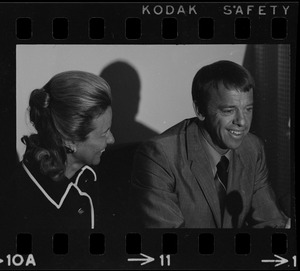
pixel 238 190
pixel 201 170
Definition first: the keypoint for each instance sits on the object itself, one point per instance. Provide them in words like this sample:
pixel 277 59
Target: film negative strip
pixel 150 203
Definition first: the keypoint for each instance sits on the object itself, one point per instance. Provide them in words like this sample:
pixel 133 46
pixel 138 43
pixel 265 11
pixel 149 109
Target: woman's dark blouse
pixel 38 202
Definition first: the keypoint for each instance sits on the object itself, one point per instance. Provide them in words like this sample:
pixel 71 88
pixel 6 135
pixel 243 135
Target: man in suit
pixel 208 171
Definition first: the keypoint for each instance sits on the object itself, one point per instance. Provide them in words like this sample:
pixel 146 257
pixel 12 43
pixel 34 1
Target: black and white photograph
pixel 148 89
pixel 124 155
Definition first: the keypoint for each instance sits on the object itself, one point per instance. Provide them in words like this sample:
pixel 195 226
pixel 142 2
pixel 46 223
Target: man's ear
pixel 199 115
pixel 70 146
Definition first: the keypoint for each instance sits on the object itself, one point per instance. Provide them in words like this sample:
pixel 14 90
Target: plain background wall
pixel 163 75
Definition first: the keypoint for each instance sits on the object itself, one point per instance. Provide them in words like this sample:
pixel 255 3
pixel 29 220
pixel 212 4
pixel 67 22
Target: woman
pixel 55 187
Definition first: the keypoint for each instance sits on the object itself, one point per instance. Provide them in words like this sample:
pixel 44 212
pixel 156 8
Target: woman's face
pixel 89 152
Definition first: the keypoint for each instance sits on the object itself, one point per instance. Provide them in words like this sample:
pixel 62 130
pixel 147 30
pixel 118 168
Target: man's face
pixel 228 117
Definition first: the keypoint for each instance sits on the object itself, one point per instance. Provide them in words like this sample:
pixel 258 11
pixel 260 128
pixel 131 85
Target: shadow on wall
pixel 115 168
pixel 125 86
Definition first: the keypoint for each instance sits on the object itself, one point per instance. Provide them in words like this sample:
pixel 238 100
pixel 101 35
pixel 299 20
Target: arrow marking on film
pixel 280 260
pixel 146 259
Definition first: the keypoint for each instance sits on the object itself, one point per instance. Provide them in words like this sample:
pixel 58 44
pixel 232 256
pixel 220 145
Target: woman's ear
pixel 70 147
pixel 199 115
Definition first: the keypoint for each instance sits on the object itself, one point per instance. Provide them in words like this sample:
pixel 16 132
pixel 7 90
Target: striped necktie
pixel 221 181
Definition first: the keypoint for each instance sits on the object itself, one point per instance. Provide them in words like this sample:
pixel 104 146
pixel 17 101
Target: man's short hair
pixel 227 73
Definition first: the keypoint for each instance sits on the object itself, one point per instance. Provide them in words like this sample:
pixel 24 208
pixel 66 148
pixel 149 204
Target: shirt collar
pixel 56 191
pixel 212 154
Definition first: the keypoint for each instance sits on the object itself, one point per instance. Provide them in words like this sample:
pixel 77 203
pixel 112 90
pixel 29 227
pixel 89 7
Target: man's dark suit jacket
pixel 173 183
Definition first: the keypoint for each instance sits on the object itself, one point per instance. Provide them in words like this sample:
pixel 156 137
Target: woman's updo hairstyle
pixel 63 110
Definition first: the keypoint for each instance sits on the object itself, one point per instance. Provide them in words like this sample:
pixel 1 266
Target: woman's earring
pixel 69 150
